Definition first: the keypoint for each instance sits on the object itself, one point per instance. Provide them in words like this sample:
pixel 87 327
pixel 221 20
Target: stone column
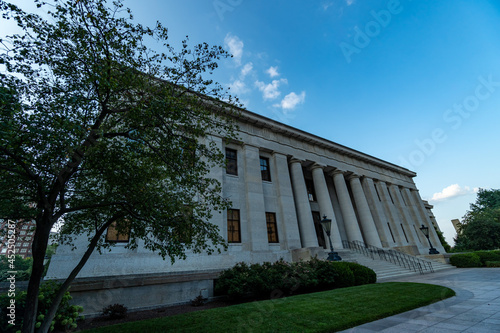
pixel 287 218
pixel 377 210
pixel 416 216
pixel 348 214
pixel 325 204
pixel 256 215
pixel 406 221
pixel 391 213
pixel 365 216
pixel 306 224
pixel 425 217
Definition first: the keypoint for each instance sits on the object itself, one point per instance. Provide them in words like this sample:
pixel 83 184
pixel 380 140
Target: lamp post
pixel 425 231
pixel 327 226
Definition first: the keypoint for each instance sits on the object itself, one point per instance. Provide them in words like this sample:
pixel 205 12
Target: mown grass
pixel 327 311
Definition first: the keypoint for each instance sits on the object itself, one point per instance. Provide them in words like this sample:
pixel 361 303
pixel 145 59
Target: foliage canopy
pixel 96 128
pixel 480 228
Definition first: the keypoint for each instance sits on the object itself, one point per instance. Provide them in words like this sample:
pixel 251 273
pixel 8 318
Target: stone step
pixel 385 269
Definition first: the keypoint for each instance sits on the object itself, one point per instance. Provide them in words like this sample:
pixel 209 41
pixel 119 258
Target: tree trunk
pixel 39 247
pixel 49 317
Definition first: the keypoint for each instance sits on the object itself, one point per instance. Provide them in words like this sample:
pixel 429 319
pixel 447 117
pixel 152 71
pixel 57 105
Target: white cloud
pixel 453 191
pixel 272 71
pixel 246 69
pixel 326 5
pixel 291 100
pixel 235 46
pixel 270 90
pixel 349 2
pixel 238 87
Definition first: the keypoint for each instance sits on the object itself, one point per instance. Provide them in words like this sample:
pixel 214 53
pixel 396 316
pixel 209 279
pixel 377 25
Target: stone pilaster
pixel 325 204
pixel 306 224
pixel 256 215
pixel 348 214
pixel 287 217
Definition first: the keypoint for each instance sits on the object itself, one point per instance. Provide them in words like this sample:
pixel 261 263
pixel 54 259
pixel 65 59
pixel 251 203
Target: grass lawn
pixel 326 311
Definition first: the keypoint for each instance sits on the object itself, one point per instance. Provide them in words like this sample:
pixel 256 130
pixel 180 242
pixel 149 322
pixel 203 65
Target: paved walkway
pixel 475 308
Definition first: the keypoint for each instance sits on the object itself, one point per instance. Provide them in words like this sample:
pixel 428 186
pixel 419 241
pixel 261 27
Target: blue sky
pixel 416 83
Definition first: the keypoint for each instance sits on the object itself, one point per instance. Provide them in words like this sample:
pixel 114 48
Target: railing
pixel 399 258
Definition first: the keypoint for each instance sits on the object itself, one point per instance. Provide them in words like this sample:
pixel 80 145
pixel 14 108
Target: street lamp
pixel 327 226
pixel 425 230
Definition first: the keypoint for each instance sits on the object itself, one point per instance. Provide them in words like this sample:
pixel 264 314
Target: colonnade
pixel 373 211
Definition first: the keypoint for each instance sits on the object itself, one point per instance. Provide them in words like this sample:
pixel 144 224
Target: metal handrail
pixel 396 257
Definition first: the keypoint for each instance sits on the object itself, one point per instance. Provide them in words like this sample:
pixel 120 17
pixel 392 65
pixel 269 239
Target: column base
pixel 433 251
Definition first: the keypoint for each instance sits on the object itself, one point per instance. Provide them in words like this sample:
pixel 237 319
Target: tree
pixel 97 128
pixel 480 228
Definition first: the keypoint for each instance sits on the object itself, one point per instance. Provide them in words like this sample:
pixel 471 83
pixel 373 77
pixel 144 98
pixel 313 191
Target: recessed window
pixel 117 236
pixel 233 226
pixel 272 230
pixel 231 161
pixel 311 194
pixel 264 169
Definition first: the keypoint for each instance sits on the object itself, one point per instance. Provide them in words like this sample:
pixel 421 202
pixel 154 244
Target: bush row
pixel 274 280
pixel 476 259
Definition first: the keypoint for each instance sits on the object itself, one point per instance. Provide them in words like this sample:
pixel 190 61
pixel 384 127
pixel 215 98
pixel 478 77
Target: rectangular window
pixel 233 226
pixel 114 236
pixel 264 168
pixel 231 161
pixel 272 229
pixel 23 250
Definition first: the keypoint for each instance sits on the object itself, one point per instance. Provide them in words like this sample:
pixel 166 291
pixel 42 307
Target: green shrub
pixel 66 317
pixel 362 274
pixel 115 311
pixel 272 280
pixel 488 256
pixel 493 264
pixel 465 260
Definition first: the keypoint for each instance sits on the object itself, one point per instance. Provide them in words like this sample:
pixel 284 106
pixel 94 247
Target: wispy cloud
pixel 246 69
pixel 272 71
pixel 235 46
pixel 290 101
pixel 349 2
pixel 238 87
pixel 270 90
pixel 452 191
pixel 326 5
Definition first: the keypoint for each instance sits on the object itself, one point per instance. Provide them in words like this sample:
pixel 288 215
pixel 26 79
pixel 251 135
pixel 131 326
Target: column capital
pixel 294 160
pixel 353 176
pixel 316 166
pixel 336 172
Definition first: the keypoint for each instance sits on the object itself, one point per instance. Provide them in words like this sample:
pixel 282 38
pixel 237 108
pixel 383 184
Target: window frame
pixel 265 168
pixel 231 162
pixel 272 235
pixel 233 221
pixel 112 228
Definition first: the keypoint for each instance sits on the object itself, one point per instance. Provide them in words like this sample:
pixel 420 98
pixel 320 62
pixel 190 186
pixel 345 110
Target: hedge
pixel 274 280
pixel 464 260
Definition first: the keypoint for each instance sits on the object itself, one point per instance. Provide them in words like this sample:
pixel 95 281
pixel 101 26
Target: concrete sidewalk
pixel 475 308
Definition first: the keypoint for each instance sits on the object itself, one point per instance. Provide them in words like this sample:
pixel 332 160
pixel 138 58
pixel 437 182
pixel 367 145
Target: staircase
pixel 388 263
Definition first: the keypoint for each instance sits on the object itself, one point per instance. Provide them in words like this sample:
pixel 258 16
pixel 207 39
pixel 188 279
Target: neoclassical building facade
pixel 281 182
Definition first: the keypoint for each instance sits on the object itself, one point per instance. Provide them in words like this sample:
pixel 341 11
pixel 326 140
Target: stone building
pixel 281 182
